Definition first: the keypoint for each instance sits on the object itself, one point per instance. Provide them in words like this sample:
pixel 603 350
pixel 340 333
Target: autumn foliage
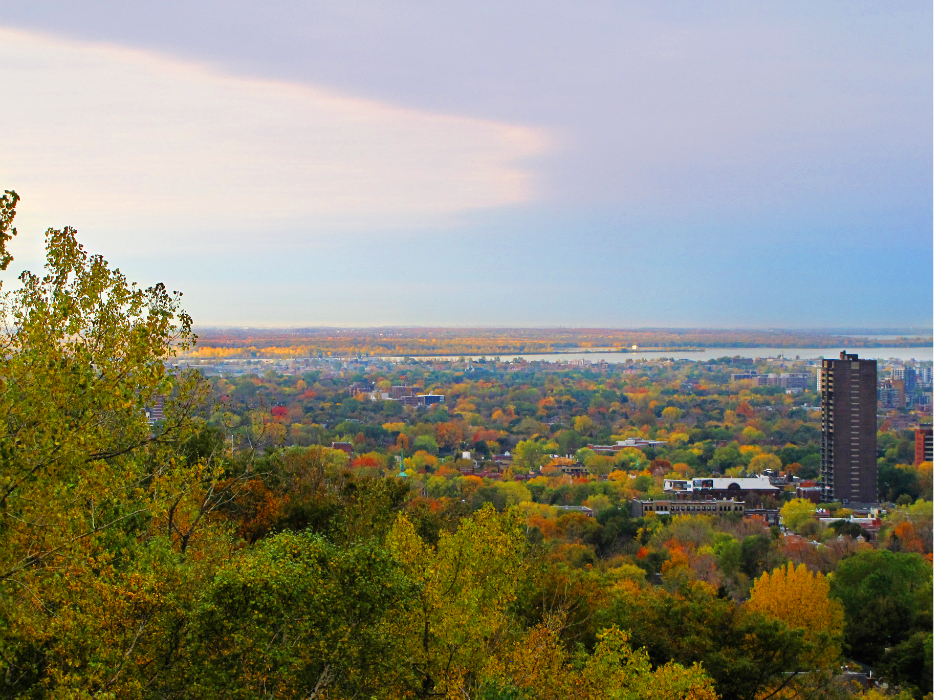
pixel 220 546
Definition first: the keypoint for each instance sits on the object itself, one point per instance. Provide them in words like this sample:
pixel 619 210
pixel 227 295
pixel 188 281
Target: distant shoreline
pixel 571 351
pixel 589 355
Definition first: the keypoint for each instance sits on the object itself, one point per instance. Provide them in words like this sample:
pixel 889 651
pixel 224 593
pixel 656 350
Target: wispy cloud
pixel 140 150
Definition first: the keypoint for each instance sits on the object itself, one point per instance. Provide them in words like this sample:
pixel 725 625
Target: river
pixel 903 354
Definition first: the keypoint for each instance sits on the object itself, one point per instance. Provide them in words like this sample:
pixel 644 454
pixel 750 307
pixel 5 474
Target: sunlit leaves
pixel 801 599
pixel 540 668
pixel 465 586
pixel 85 481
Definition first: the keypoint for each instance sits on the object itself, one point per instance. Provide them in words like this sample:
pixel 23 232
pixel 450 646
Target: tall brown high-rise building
pixel 924 445
pixel 848 442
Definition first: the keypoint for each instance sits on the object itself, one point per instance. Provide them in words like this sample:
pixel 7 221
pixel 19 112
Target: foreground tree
pixel 537 667
pixel 886 597
pixel 89 559
pixel 800 599
pixel 748 655
pixel 464 587
pixel 298 617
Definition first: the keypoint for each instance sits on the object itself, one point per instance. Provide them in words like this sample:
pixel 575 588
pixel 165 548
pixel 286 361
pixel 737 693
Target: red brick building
pixel 924 445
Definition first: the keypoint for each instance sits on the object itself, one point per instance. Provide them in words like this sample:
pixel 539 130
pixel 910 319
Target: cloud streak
pixel 138 150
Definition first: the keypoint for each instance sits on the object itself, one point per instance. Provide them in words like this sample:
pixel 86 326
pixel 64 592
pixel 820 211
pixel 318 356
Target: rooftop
pixel 748 483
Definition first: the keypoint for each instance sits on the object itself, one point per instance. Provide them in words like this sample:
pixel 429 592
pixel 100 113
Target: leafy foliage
pixel 224 549
pixel 298 617
pixel 886 597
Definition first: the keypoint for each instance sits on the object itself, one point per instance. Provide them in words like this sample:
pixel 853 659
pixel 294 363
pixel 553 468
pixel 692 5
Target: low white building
pixel 719 487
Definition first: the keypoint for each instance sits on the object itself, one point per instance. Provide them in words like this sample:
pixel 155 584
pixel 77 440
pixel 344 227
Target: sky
pixel 611 164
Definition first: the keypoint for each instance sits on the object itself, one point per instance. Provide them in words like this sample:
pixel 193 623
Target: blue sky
pixel 485 163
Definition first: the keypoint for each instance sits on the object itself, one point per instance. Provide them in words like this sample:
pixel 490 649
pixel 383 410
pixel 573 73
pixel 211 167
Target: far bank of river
pixel 903 354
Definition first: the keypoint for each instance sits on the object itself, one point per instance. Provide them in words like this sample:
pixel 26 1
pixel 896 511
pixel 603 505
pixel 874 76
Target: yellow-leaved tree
pixel 538 667
pixel 759 463
pixel 465 585
pixel 100 511
pixel 797 513
pixel 797 597
pixel 801 599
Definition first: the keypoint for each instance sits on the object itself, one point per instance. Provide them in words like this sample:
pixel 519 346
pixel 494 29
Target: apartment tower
pixel 848 425
pixel 924 444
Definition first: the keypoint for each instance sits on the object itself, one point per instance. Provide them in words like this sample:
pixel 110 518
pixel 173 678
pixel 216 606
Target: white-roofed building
pixel 737 488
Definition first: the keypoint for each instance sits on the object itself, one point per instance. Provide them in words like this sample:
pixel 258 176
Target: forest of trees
pixel 420 342
pixel 226 550
pixel 710 425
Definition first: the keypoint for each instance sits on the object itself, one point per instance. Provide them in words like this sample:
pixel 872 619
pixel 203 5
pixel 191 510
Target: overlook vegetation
pixel 226 550
pixel 709 424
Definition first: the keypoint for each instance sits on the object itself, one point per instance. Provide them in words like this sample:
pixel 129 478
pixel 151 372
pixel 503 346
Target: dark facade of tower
pixel 924 445
pixel 848 441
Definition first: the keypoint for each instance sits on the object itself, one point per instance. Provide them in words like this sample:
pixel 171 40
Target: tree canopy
pixel 168 535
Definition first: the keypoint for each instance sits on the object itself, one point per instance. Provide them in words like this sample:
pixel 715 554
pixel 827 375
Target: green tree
pixel 898 480
pixel 599 465
pixel 529 455
pixel 537 667
pixel 729 554
pixel 746 654
pixel 584 425
pixel 583 454
pixel 908 663
pixel 754 552
pixel 426 443
pixel 671 414
pixel 724 458
pixel 797 512
pixel 298 617
pixel 465 586
pixel 886 598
